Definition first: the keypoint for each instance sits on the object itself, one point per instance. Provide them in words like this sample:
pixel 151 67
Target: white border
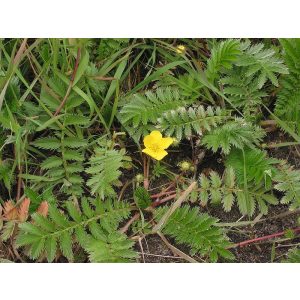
pixel 137 18
pixel 155 18
pixel 149 281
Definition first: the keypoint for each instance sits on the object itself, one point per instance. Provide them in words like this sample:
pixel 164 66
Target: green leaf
pixel 117 248
pixel 74 142
pixel 83 64
pixel 76 120
pixel 142 198
pixel 66 245
pixel 50 143
pixel 51 162
pixel 183 122
pixel 50 248
pixel 188 226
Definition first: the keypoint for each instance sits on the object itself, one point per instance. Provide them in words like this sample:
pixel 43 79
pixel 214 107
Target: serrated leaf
pixel 50 248
pixel 76 120
pixel 142 197
pixel 228 201
pixel 51 162
pixel 50 143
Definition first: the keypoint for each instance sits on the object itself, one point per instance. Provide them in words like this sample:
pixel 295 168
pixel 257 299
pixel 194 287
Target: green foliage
pixel 261 62
pixel 8 230
pixel 252 164
pixel 62 169
pixel 288 181
pixel 293 256
pixel 214 94
pixel 183 122
pixel 142 198
pixel 226 190
pixel 12 94
pixel 141 112
pixel 5 174
pixel 53 93
pixel 291 54
pixel 242 90
pixel 233 134
pixel 93 228
pixel 108 47
pixel 218 190
pixel 105 170
pixel 187 226
pixel 160 170
pixel 114 248
pixel 287 102
pixel 223 55
pixel 255 60
pixel 187 84
pixel 97 86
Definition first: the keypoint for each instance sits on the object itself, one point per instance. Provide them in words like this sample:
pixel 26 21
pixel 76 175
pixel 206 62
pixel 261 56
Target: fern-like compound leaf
pixel 238 134
pixel 113 248
pixel 188 226
pixel 223 55
pixel 263 63
pixel 288 181
pixel 61 230
pixel 105 170
pixel 183 122
pixel 141 112
pixel 227 192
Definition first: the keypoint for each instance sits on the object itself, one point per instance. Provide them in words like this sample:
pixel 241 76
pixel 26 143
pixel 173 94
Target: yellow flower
pixel 155 145
pixel 180 49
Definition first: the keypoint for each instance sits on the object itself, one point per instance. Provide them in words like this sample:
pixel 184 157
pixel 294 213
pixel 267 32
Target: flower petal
pixel 156 135
pixel 166 142
pixel 148 141
pixel 159 155
pixel 149 152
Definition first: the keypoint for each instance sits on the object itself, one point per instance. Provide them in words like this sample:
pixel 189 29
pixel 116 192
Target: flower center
pixel 155 147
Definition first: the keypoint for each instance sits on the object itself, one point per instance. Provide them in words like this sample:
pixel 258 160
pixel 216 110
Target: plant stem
pixel 175 205
pixel 158 202
pixel 262 238
pixel 246 223
pixel 127 225
pixel 176 250
pixel 146 171
pixel 70 84
pixel 19 186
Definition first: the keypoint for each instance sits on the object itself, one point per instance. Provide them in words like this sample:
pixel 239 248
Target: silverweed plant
pixel 113 149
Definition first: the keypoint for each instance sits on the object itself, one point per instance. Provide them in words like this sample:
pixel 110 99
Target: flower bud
pixel 139 178
pixel 192 168
pixel 184 166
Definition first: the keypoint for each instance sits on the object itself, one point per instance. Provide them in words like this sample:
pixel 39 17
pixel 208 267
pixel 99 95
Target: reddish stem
pixel 127 225
pixel 162 193
pixel 146 172
pixel 158 202
pixel 266 237
pixel 70 84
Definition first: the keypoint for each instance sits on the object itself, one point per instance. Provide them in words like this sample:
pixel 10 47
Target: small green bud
pixel 192 168
pixel 184 166
pixel 139 178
